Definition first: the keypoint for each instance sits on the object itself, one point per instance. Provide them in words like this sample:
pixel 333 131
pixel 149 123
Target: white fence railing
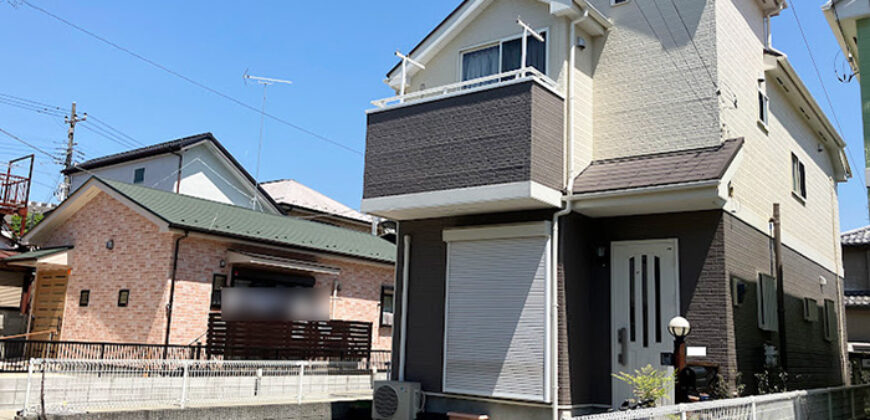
pixel 468 86
pixel 840 403
pixel 57 386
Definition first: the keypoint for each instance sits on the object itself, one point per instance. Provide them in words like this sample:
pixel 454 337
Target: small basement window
pixel 123 298
pixel 387 305
pixel 798 177
pixel 767 316
pixel 218 282
pixel 139 176
pixel 84 297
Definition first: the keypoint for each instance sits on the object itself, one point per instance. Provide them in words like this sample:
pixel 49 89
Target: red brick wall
pixel 140 261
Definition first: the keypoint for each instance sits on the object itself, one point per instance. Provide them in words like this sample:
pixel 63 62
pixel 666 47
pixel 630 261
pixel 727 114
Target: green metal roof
pixel 197 214
pixel 33 255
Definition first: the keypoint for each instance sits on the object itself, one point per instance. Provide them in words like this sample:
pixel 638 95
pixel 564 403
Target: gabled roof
pixel 467 10
pixel 294 193
pixel 670 168
pixel 182 212
pixel 171 146
pixel 860 236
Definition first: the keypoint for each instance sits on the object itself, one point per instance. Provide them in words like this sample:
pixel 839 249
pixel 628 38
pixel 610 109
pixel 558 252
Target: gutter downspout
pixel 569 207
pixel 406 242
pixel 172 289
pixel 178 180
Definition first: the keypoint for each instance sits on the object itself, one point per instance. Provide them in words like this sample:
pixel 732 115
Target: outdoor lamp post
pixel 679 328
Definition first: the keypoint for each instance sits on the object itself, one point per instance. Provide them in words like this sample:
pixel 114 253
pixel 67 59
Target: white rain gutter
pixel 569 207
pixel 406 256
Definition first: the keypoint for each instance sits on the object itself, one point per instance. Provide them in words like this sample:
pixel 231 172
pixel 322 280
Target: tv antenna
pixel 265 82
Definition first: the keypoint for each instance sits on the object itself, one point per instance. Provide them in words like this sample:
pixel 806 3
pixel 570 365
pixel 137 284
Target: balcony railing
pixel 468 86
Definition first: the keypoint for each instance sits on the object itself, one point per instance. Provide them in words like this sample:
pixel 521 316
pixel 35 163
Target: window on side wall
pixel 218 282
pixel 387 305
pixel 139 176
pixel 830 326
pixel 767 316
pixel 504 56
pixel 763 108
pixel 84 298
pixel 798 177
pixel 123 298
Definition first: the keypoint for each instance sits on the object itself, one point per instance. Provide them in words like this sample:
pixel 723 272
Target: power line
pixel 115 130
pixel 692 40
pixel 824 89
pixel 16 138
pixel 190 80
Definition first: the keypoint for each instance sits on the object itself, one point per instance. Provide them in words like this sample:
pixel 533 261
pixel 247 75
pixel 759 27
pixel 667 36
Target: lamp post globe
pixel 679 327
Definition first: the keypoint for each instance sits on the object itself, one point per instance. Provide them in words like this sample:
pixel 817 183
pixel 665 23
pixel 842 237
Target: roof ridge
pixel 231 206
pixel 856 230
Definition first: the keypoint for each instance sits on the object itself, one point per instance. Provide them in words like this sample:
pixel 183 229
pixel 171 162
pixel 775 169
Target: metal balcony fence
pixel 56 386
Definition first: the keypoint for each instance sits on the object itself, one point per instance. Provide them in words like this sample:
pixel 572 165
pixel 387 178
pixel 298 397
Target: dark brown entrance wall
pixel 813 361
pixel 424 345
pixel 704 293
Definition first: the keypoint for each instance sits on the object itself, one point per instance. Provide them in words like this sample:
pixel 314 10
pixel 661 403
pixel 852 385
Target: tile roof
pixel 860 236
pixel 296 194
pixel 679 167
pixel 857 298
pixel 211 217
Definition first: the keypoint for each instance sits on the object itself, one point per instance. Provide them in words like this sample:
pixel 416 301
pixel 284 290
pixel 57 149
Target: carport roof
pixel 34 255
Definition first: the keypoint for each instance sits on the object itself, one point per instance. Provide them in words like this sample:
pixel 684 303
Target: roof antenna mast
pixel 265 82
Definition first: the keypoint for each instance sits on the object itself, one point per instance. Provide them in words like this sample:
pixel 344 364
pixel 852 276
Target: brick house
pixel 555 213
pixel 115 257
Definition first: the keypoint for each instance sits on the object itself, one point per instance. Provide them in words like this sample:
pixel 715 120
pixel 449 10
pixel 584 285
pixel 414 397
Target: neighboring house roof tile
pixel 32 255
pixel 678 167
pixel 211 217
pixel 163 148
pixel 860 236
pixel 296 194
pixel 856 299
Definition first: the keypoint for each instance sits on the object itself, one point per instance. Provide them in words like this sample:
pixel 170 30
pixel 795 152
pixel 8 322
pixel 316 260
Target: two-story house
pixel 555 213
pixel 197 166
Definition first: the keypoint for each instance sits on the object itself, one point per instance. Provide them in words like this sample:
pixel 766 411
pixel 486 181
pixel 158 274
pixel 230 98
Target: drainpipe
pixel 569 206
pixel 172 290
pixel 178 181
pixel 406 256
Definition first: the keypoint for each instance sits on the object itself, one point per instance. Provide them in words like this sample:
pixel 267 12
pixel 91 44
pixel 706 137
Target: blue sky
pixel 336 54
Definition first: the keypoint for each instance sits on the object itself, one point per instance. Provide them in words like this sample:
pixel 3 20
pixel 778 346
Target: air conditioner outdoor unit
pixel 394 400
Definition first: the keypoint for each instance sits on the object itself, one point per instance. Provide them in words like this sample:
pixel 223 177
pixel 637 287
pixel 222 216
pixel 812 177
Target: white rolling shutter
pixel 496 338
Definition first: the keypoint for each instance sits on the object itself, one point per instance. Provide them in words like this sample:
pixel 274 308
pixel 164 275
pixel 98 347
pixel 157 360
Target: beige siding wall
pixel 497 21
pixel 764 175
pixel 652 93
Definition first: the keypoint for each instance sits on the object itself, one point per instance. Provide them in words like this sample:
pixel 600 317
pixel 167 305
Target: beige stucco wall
pixel 10 288
pixel 764 174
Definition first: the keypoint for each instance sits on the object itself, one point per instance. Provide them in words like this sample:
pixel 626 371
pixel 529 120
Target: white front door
pixel 644 296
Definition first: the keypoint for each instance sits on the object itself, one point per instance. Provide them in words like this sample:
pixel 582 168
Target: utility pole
pixel 70 145
pixel 780 286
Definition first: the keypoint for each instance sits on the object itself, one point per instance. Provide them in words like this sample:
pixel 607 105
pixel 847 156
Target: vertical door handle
pixel 622 335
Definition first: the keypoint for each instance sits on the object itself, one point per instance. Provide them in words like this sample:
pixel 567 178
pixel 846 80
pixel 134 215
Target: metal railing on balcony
pixel 468 86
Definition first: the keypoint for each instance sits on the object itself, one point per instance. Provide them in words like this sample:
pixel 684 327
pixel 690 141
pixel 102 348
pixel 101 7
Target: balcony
pixel 486 145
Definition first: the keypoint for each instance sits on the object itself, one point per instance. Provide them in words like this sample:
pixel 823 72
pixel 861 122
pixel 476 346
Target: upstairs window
pixel 139 176
pixel 763 108
pixel 504 56
pixel 830 326
pixel 798 177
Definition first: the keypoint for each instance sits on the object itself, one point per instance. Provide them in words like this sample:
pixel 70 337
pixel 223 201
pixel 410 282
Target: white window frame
pixel 763 108
pixel 767 311
pixel 799 177
pixel 511 231
pixel 498 42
